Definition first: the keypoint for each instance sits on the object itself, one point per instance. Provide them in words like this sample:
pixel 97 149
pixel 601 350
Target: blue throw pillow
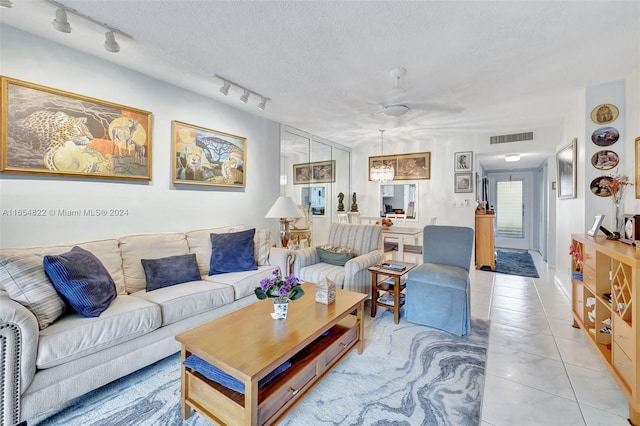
pixel 213 373
pixel 232 252
pixel 168 271
pixel 338 258
pixel 82 280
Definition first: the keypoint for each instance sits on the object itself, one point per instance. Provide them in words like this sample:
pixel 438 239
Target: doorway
pixel 511 196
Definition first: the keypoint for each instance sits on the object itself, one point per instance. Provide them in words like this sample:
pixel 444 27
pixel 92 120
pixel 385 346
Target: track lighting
pixel 245 97
pixel 5 4
pixel 246 93
pixel 110 42
pixel 60 23
pixel 225 89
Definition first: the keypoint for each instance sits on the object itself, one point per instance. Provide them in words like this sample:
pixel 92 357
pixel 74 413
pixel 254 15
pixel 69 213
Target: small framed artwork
pixel 638 167
pixel 567 173
pixel 49 131
pixel 596 225
pixel 207 157
pixel 463 182
pixel 463 161
pixel 318 172
pixel 604 114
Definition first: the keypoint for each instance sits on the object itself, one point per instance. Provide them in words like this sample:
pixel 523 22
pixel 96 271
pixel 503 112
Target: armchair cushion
pixel 335 255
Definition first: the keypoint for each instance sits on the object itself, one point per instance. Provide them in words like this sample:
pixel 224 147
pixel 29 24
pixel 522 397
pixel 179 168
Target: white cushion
pixel 108 251
pixel 27 283
pixel 200 243
pixel 147 246
pixel 243 283
pixel 316 272
pixel 187 299
pixel 261 246
pixel 73 336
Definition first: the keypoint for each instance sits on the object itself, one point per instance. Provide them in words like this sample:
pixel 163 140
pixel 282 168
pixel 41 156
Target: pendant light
pixel 381 173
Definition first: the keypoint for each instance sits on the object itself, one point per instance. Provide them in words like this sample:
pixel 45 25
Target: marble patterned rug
pixel 408 375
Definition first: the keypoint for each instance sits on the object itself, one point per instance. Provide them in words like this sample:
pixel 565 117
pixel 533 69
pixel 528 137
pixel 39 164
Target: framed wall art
pixel 49 131
pixel 318 172
pixel 604 114
pixel 463 161
pixel 405 166
pixel 463 182
pixel 207 157
pixel 605 160
pixel 567 173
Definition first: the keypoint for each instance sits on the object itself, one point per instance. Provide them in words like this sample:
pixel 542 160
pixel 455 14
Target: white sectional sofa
pixel 42 368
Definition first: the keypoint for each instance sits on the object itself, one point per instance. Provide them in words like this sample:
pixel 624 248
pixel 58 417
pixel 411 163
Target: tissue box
pixel 326 291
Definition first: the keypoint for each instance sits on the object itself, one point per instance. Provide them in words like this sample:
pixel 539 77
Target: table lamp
pixel 284 208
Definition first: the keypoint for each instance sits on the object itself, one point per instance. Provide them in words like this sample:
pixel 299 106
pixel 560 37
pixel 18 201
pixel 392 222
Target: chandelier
pixel 381 172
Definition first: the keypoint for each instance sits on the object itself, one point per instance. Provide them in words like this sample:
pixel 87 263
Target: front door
pixel 512 203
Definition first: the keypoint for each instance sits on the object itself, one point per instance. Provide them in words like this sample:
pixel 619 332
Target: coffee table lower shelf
pixel 227 407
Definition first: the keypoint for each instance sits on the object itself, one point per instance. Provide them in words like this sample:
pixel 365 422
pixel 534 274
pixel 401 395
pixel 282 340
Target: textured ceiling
pixel 475 67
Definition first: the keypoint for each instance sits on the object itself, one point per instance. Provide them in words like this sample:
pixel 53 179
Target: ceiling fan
pixel 396 103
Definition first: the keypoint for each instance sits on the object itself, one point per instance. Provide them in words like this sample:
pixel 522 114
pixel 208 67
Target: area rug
pixel 516 263
pixel 408 375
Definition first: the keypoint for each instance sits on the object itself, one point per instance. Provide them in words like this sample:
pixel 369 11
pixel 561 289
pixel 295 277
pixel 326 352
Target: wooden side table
pixel 298 234
pixel 379 287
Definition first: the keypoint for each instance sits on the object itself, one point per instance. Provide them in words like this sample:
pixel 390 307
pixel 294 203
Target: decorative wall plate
pixel 605 136
pixel 605 160
pixel 597 190
pixel 604 114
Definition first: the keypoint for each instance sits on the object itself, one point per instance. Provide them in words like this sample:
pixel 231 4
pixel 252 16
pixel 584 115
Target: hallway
pixel 540 370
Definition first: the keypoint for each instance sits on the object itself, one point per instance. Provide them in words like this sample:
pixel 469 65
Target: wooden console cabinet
pixel 605 297
pixel 485 241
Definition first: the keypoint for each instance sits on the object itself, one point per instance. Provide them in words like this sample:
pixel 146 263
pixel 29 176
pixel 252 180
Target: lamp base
pixel 285 235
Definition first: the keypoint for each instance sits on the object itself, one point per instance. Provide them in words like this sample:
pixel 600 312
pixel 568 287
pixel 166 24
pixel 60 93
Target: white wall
pixel 152 206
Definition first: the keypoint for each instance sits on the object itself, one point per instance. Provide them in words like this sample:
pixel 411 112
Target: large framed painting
pixel 405 166
pixel 318 172
pixel 49 131
pixel 567 173
pixel 207 157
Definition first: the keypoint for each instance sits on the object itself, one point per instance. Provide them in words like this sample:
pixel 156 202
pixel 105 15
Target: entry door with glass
pixel 512 198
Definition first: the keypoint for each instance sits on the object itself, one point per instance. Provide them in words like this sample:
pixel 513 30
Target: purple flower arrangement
pixel 277 286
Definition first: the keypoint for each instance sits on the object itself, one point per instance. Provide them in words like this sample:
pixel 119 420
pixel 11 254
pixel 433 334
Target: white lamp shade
pixel 284 207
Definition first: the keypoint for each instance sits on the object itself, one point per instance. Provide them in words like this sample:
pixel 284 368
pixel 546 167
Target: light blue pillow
pixel 232 252
pixel 82 280
pixel 334 258
pixel 172 270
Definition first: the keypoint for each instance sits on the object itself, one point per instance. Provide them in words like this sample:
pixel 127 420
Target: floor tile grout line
pixel 564 364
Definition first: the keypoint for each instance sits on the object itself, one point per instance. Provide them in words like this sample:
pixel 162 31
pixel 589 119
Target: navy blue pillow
pixel 232 252
pixel 82 280
pixel 213 373
pixel 171 270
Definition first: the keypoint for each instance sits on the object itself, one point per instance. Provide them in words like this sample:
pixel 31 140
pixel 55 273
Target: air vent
pixel 516 137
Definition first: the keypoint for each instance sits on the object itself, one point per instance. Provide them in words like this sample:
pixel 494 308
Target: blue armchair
pixel 437 292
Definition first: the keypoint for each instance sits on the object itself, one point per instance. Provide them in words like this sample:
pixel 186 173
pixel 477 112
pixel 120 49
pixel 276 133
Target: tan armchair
pixel 364 240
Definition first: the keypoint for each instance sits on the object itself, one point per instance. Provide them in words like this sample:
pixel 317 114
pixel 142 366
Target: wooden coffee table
pixel 248 344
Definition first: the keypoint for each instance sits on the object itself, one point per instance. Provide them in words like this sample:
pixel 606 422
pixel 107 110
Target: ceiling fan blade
pixel 429 106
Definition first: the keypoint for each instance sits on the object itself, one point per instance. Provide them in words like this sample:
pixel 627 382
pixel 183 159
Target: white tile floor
pixel 540 370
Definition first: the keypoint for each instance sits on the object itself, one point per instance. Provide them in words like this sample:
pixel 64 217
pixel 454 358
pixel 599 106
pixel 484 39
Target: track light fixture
pixel 61 23
pixel 110 42
pixel 225 89
pixel 245 97
pixel 5 4
pixel 246 93
pixel 262 104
